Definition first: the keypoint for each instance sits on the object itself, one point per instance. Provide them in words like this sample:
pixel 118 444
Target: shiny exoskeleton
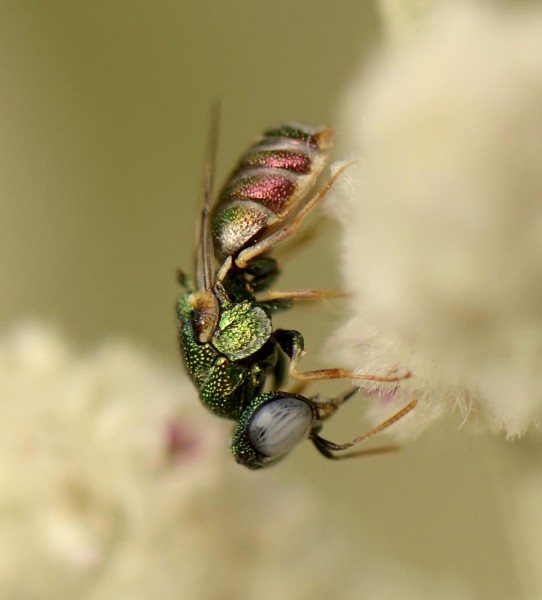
pixel 271 180
pixel 227 341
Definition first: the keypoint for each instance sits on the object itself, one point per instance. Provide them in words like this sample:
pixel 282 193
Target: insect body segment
pixel 228 345
pixel 225 384
pixel 271 426
pixel 269 183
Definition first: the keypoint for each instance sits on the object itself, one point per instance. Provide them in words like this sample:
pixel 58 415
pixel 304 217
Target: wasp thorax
pixel 242 330
pixel 280 424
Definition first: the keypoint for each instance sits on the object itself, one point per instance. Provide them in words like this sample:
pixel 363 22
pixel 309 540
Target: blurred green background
pixel 104 110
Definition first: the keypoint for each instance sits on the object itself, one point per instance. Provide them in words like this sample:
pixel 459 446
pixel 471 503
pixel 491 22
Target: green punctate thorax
pixel 224 384
pixel 242 330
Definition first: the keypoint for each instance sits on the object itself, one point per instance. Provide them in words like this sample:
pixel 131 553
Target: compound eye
pixel 278 425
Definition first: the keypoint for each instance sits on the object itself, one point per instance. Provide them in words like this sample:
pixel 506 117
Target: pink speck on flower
pixel 182 440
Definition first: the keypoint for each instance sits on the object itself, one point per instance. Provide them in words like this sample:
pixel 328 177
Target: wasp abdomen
pixel 269 183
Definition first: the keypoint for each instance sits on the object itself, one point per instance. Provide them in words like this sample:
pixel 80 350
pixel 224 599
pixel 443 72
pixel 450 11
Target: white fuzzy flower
pixel 116 485
pixel 403 19
pixel 443 221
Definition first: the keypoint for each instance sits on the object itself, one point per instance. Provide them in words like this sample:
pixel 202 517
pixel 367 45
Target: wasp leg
pixel 223 270
pixel 320 374
pixel 292 343
pixel 274 305
pixel 267 243
pixel 272 295
pixel 261 270
pixel 328 448
pixel 321 445
pixel 310 232
pixel 261 273
pixel 327 407
pixel 274 300
pixel 279 370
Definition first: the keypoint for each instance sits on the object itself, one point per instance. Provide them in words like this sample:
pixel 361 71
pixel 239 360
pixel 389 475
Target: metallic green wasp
pixel 235 358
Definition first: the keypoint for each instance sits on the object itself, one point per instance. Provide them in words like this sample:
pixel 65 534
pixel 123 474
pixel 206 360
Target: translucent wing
pixel 204 250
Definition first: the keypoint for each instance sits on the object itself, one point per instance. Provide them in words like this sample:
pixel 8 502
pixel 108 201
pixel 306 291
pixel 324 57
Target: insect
pixel 226 337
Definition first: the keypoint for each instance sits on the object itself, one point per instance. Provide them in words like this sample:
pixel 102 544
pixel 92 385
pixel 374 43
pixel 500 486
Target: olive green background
pixel 104 110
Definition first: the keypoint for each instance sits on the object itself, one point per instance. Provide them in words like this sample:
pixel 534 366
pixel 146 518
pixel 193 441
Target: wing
pixel 204 249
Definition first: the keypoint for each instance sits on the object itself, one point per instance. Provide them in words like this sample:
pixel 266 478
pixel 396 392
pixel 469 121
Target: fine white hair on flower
pixel 115 483
pixel 442 218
